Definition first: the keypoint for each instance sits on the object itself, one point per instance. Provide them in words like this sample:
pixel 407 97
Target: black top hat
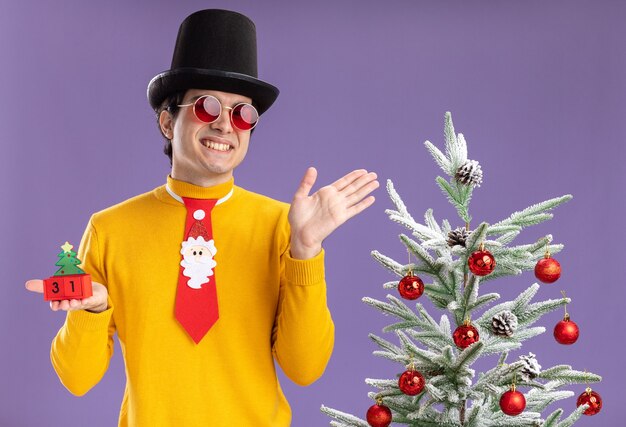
pixel 215 49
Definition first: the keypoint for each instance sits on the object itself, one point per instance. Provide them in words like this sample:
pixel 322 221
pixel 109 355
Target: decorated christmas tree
pixel 67 263
pixel 436 385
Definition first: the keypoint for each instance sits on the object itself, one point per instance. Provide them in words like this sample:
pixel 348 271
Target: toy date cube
pixel 75 286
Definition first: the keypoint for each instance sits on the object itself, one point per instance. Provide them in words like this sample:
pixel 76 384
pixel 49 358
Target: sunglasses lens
pixel 244 116
pixel 207 109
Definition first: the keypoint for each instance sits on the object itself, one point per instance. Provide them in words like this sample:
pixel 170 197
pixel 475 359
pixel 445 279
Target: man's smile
pixel 217 145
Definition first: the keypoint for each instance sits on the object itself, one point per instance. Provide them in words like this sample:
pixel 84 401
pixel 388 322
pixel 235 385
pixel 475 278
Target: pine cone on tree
pixel 469 173
pixel 504 323
pixel 531 368
pixel 457 237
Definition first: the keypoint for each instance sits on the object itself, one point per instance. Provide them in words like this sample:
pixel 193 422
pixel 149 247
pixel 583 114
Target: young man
pixel 204 282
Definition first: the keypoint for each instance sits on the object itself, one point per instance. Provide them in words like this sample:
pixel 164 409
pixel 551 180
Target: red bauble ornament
pixel 378 415
pixel 592 399
pixel 465 335
pixel 548 270
pixel 512 402
pixel 411 287
pixel 566 331
pixel 411 382
pixel 481 262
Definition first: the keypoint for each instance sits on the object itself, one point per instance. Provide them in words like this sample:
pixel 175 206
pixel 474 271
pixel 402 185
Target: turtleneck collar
pixel 178 189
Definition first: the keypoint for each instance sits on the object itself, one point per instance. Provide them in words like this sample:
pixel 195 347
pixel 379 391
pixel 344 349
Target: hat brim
pixel 169 82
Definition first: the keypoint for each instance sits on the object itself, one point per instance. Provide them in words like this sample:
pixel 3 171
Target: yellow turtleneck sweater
pixel 270 306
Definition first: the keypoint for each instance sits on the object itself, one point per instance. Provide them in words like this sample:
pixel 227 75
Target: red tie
pixel 196 295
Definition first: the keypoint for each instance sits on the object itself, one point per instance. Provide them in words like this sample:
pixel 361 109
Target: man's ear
pixel 166 124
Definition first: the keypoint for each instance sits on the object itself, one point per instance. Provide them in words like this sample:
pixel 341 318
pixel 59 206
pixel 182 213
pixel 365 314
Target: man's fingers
pixel 308 180
pixel 67 305
pixel 35 285
pixel 88 301
pixel 362 192
pixel 348 179
pixel 358 184
pixel 361 206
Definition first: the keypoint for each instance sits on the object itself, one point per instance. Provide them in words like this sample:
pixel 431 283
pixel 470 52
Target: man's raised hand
pixel 314 217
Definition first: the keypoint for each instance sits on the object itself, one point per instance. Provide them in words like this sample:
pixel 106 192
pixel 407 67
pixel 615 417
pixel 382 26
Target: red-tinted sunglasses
pixel 208 109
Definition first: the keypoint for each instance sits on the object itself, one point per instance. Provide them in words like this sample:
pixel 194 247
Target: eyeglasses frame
pixel 223 107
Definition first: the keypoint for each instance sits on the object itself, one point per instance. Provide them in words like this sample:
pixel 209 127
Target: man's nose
pixel 223 123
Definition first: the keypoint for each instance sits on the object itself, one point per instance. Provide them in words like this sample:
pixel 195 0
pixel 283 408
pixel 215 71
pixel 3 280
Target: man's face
pixel 206 153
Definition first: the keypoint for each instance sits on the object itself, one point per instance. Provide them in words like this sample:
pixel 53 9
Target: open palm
pixel 314 217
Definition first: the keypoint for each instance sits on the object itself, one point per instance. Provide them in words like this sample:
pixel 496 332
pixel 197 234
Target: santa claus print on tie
pixel 198 251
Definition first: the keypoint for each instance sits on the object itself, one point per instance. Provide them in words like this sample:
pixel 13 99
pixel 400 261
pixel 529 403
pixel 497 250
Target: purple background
pixel 536 87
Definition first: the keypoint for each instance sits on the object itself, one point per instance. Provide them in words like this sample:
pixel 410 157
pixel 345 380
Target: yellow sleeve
pixel 304 332
pixel 82 348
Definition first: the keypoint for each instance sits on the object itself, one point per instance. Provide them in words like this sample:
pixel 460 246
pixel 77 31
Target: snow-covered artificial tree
pixel 438 386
